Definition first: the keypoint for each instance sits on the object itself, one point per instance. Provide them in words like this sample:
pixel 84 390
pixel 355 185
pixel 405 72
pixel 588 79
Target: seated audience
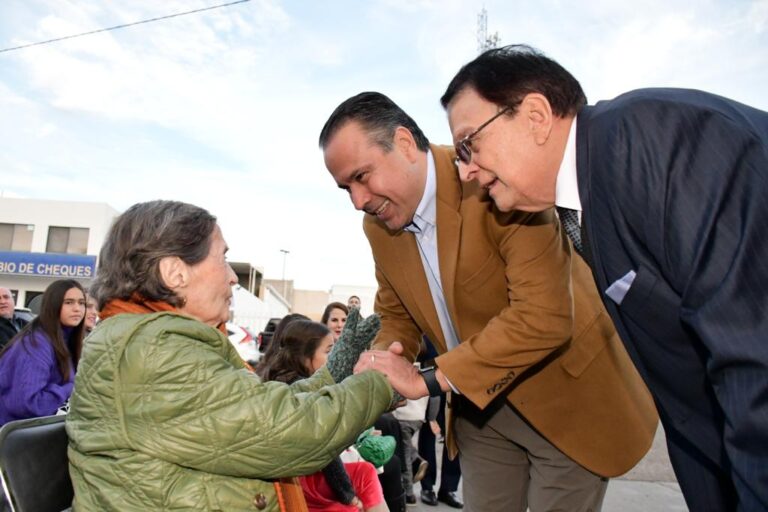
pixel 300 350
pixel 389 475
pixel 37 367
pixel 165 415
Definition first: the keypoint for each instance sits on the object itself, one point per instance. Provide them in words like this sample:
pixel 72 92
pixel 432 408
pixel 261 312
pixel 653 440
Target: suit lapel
pixel 448 224
pixel 583 177
pixel 409 258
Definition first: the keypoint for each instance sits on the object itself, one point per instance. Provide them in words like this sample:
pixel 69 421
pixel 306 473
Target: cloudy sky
pixel 222 108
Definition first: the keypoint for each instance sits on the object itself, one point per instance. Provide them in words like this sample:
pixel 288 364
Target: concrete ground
pixel 650 487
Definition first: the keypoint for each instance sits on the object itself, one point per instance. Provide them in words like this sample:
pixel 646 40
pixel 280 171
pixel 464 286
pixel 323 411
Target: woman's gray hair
pixel 129 261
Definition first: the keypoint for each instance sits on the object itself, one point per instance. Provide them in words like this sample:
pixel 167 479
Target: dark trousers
pixel 706 487
pixel 450 472
pixel 392 485
pixel 391 479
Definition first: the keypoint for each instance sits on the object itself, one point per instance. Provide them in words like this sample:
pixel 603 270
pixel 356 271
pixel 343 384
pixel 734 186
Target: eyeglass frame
pixel 464 143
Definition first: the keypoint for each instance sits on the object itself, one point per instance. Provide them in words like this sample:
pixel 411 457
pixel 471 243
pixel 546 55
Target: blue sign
pixel 47 264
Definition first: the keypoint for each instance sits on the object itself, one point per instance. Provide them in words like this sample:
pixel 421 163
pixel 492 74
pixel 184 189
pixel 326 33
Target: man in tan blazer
pixel 546 403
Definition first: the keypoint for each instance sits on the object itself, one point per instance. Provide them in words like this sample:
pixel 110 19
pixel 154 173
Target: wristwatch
pixel 433 386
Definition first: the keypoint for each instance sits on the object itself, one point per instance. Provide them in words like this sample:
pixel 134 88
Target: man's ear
pixel 406 143
pixel 174 272
pixel 537 110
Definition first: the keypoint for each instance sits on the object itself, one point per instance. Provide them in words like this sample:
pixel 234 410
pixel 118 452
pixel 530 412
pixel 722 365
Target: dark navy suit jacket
pixel 674 185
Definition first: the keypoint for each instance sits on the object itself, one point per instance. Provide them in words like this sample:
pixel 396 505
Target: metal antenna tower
pixel 485 41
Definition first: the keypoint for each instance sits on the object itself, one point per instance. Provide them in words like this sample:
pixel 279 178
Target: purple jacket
pixel 30 380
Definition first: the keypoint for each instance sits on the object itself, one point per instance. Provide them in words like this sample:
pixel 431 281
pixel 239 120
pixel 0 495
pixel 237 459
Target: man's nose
pixel 360 197
pixel 467 172
pixel 232 277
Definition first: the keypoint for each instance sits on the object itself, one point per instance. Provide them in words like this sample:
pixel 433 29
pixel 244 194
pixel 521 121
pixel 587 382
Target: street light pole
pixel 285 255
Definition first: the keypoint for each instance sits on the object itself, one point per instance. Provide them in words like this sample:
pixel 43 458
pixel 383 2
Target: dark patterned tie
pixel 570 221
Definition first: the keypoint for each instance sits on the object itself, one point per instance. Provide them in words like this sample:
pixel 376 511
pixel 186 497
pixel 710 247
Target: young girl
pixel 91 314
pixel 302 348
pixel 37 367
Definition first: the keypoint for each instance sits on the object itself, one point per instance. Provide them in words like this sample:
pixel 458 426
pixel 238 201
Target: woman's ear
pixel 174 272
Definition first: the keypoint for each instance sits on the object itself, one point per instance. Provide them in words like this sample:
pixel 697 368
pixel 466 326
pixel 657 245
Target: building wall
pixel 310 303
pixel 42 214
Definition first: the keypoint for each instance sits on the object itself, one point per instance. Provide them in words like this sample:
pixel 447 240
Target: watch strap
pixel 433 386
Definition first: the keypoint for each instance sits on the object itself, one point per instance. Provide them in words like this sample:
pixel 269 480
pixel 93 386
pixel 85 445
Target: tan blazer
pixel 506 279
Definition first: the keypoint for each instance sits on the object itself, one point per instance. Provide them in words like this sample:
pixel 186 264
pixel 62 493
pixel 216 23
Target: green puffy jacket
pixel 165 417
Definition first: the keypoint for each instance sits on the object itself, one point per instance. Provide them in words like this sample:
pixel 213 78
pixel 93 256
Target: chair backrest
pixel 34 466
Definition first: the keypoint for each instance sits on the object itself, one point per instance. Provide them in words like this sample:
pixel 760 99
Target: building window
pixel 67 240
pixel 16 237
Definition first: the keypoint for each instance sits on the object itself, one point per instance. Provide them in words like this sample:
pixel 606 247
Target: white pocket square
pixel 618 290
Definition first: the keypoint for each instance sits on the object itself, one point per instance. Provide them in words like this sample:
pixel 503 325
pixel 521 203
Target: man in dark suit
pixel 669 187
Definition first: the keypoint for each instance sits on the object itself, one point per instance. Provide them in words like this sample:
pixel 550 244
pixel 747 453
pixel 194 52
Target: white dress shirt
pixel 424 230
pixel 567 186
pixel 567 196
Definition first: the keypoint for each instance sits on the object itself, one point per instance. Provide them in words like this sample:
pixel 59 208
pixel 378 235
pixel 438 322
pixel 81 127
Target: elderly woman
pixel 164 415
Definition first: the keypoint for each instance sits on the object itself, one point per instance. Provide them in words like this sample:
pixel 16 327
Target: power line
pixel 123 26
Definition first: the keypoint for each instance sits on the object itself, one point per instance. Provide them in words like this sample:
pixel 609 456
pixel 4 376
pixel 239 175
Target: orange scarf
pixel 139 305
pixel 288 490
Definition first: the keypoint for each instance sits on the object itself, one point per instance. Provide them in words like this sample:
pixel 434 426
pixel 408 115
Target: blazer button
pixel 260 501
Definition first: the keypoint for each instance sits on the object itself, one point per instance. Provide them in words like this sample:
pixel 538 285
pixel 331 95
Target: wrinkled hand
pixel 401 373
pixel 355 338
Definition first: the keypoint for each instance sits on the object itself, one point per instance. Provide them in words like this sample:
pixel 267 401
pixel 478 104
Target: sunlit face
pixel 73 308
pixel 320 357
pixel 91 317
pixel 506 159
pixel 353 302
pixel 6 303
pixel 208 292
pixel 389 184
pixel 336 322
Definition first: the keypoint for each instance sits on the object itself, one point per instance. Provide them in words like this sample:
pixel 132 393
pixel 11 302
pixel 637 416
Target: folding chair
pixel 33 465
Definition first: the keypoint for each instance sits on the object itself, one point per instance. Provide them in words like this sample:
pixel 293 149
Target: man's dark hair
pixel 504 76
pixel 378 115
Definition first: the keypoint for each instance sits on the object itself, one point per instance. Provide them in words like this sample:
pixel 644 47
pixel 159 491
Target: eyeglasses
pixel 464 146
